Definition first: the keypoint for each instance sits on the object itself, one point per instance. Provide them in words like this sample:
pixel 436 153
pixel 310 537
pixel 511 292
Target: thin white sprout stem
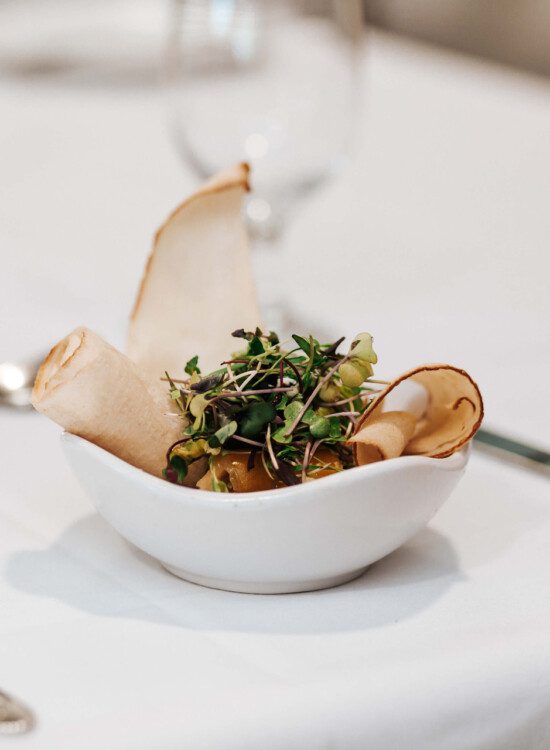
pixel 258 392
pixel 266 467
pixel 372 394
pixel 247 441
pixel 251 374
pixel 270 448
pixel 232 378
pixel 305 461
pixel 316 444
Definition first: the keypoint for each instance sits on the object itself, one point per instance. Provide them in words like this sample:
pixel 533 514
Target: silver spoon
pixel 15 718
pixel 16 382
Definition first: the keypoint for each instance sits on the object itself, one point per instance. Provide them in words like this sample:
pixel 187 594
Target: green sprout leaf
pixel 179 465
pixel 348 392
pixel 320 427
pixel 309 417
pixel 280 436
pixel 223 434
pixel 303 343
pixel 255 346
pixel 192 365
pixel 281 406
pixel 255 417
pixel 292 410
pixel 361 347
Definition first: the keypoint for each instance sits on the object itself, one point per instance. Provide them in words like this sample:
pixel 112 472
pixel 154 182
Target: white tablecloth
pixel 443 226
pixel 442 644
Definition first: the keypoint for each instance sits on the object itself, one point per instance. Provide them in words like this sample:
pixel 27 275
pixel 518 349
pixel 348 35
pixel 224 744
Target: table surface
pixel 443 220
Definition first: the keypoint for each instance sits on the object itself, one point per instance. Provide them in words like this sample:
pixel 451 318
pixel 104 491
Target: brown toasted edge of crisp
pixel 405 376
pixel 40 384
pixel 234 177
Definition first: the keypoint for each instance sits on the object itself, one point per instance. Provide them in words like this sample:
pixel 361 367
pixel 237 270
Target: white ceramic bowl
pixel 299 538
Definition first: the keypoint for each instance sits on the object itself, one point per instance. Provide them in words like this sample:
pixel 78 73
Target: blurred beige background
pixel 514 32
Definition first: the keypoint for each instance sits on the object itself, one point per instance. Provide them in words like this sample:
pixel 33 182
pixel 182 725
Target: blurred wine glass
pixel 270 83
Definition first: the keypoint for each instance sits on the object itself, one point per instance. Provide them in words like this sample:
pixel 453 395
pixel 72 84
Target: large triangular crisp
pixel 198 284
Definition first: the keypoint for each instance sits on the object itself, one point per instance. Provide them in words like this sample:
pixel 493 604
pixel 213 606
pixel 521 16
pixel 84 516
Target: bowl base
pixel 269 587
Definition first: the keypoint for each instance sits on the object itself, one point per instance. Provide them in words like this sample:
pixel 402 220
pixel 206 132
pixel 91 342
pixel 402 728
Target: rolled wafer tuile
pixel 452 416
pixel 385 436
pixel 92 390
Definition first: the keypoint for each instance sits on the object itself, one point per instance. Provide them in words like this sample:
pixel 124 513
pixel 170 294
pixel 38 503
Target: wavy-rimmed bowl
pixel 299 538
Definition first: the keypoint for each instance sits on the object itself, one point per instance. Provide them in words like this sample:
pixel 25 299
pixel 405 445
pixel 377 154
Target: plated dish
pixel 212 405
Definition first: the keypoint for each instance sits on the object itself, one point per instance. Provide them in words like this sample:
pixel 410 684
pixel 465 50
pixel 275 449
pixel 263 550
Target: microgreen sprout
pixel 292 410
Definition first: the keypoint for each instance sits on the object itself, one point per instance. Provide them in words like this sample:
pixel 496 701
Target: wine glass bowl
pixel 270 83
